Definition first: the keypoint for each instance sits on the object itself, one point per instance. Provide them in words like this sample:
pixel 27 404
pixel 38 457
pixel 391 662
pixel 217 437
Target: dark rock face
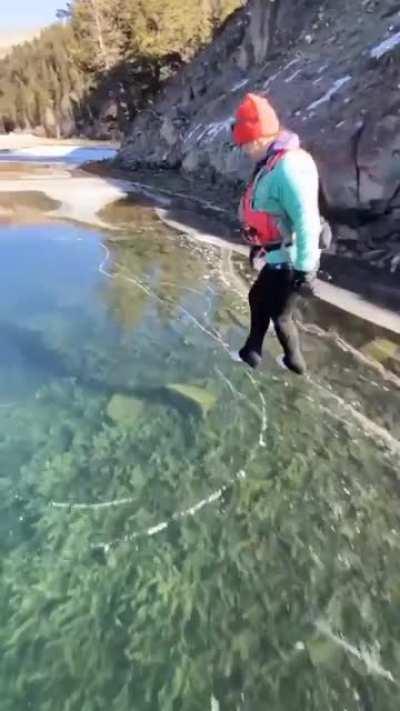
pixel 333 71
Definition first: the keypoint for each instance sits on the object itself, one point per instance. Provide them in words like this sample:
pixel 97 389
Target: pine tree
pixel 94 22
pixel 122 49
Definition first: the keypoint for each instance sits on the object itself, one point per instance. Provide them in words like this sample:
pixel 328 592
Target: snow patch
pixel 280 71
pixel 80 198
pixel 213 129
pixel 293 76
pixel 239 85
pixel 290 64
pixel 271 79
pixel 331 92
pixel 218 127
pixel 385 46
pixel 192 132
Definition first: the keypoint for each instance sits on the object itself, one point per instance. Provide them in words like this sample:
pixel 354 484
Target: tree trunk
pixel 99 34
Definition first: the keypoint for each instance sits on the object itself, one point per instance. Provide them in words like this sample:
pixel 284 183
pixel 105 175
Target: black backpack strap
pixel 262 164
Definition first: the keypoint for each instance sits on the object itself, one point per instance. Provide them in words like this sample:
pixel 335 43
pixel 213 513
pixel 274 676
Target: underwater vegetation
pixel 175 532
pixel 124 583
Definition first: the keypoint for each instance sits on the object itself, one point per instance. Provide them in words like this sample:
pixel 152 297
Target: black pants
pixel 273 297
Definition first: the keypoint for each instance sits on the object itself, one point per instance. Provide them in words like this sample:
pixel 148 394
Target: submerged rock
pixel 324 653
pixel 195 394
pixel 124 409
pixel 381 349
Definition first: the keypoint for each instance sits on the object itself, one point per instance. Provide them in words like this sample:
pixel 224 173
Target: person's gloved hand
pixel 256 253
pixel 303 282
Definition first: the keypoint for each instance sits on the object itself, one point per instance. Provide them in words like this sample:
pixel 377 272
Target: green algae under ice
pixel 176 531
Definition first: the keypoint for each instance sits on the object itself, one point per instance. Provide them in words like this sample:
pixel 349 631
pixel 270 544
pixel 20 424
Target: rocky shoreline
pixel 363 310
pixel 196 198
pixel 332 71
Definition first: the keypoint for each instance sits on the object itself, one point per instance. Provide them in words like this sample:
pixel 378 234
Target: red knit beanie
pixel 255 118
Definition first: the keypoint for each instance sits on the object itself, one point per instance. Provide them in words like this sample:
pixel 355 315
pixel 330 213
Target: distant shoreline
pixel 16 141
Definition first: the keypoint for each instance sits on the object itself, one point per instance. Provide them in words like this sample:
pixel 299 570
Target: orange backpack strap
pixel 260 227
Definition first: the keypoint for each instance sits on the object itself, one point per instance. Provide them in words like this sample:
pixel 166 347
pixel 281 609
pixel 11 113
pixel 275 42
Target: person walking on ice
pixel 283 226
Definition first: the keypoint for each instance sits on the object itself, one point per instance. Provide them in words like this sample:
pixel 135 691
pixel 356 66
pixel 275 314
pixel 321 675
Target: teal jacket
pixel 290 191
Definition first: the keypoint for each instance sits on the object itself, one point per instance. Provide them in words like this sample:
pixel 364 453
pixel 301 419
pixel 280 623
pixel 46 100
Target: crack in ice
pixel 368 656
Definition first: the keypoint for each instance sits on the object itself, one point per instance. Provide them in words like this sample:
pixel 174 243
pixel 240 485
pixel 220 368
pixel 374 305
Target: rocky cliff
pixel 333 71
